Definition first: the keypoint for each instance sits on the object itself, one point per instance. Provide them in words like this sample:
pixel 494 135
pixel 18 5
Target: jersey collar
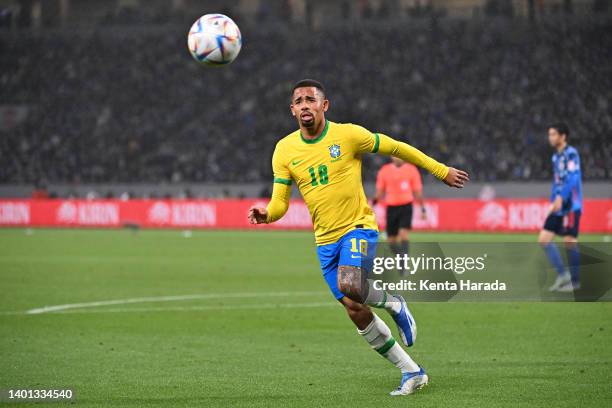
pixel 318 139
pixel 560 153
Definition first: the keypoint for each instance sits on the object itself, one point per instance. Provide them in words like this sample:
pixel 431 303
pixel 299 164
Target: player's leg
pixel 552 226
pixel 378 335
pixel 570 239
pixel 357 250
pixel 397 307
pixel 370 326
pixel 403 237
pixel 349 285
pixel 405 224
pixel 361 315
pixel 392 228
pixel 402 247
pixel 394 243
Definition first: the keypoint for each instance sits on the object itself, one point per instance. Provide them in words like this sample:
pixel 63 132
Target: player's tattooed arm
pixel 352 283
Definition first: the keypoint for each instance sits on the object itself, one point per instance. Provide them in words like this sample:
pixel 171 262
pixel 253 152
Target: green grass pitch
pixel 262 330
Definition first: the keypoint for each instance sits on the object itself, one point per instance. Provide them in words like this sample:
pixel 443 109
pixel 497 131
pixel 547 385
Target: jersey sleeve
pixel 279 202
pixel 368 142
pixel 364 140
pixel 386 145
pixel 281 191
pixel 279 167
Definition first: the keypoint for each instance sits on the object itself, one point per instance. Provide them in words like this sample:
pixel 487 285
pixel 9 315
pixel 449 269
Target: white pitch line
pixel 200 308
pixel 157 299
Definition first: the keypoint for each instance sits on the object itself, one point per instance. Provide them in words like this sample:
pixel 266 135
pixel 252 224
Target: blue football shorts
pixel 355 248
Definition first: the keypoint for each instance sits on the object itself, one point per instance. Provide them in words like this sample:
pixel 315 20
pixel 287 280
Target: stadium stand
pixel 476 94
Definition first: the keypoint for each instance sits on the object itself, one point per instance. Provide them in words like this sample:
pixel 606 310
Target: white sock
pixel 378 336
pixel 381 299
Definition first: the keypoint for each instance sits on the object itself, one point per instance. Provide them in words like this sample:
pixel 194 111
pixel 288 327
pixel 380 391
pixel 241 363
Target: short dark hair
pixel 304 83
pixel 561 128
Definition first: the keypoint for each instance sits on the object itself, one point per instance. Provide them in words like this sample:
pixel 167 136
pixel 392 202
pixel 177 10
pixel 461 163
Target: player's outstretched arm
pixel 277 207
pixel 449 175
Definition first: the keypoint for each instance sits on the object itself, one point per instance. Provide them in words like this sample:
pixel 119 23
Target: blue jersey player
pixel 565 210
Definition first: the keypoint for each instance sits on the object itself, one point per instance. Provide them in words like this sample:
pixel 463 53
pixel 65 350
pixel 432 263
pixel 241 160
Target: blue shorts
pixel 355 248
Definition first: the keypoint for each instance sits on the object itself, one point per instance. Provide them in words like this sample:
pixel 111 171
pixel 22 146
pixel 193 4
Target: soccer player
pixel 565 210
pixel 324 159
pixel 399 183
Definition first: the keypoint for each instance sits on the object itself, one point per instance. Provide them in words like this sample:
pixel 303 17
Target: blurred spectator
pixel 6 17
pixel 127 104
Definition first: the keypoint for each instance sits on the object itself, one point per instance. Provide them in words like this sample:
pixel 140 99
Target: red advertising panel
pixel 442 215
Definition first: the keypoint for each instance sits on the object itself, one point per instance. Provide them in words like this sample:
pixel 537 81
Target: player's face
pixel 554 137
pixel 309 105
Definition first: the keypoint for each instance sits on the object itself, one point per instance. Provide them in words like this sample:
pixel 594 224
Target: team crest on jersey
pixel 334 151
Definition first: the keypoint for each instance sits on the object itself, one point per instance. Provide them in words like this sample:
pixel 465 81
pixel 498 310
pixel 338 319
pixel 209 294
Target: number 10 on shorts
pixel 363 246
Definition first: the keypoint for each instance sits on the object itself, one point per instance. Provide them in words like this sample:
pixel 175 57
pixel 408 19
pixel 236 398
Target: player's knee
pixel 570 242
pixel 352 283
pixel 544 238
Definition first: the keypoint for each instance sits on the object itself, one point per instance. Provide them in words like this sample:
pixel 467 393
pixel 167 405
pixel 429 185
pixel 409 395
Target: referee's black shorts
pixel 398 216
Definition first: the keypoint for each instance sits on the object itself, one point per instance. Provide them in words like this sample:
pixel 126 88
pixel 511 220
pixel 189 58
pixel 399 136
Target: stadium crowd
pixel 129 104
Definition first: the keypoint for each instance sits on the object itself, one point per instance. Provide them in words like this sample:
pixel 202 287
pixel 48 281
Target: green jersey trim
pixel 318 139
pixel 376 143
pixel 282 181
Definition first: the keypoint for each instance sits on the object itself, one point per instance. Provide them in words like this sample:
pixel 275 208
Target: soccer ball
pixel 214 40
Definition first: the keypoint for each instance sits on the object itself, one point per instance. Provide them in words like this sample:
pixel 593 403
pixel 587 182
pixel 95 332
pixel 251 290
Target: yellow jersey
pixel 327 172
